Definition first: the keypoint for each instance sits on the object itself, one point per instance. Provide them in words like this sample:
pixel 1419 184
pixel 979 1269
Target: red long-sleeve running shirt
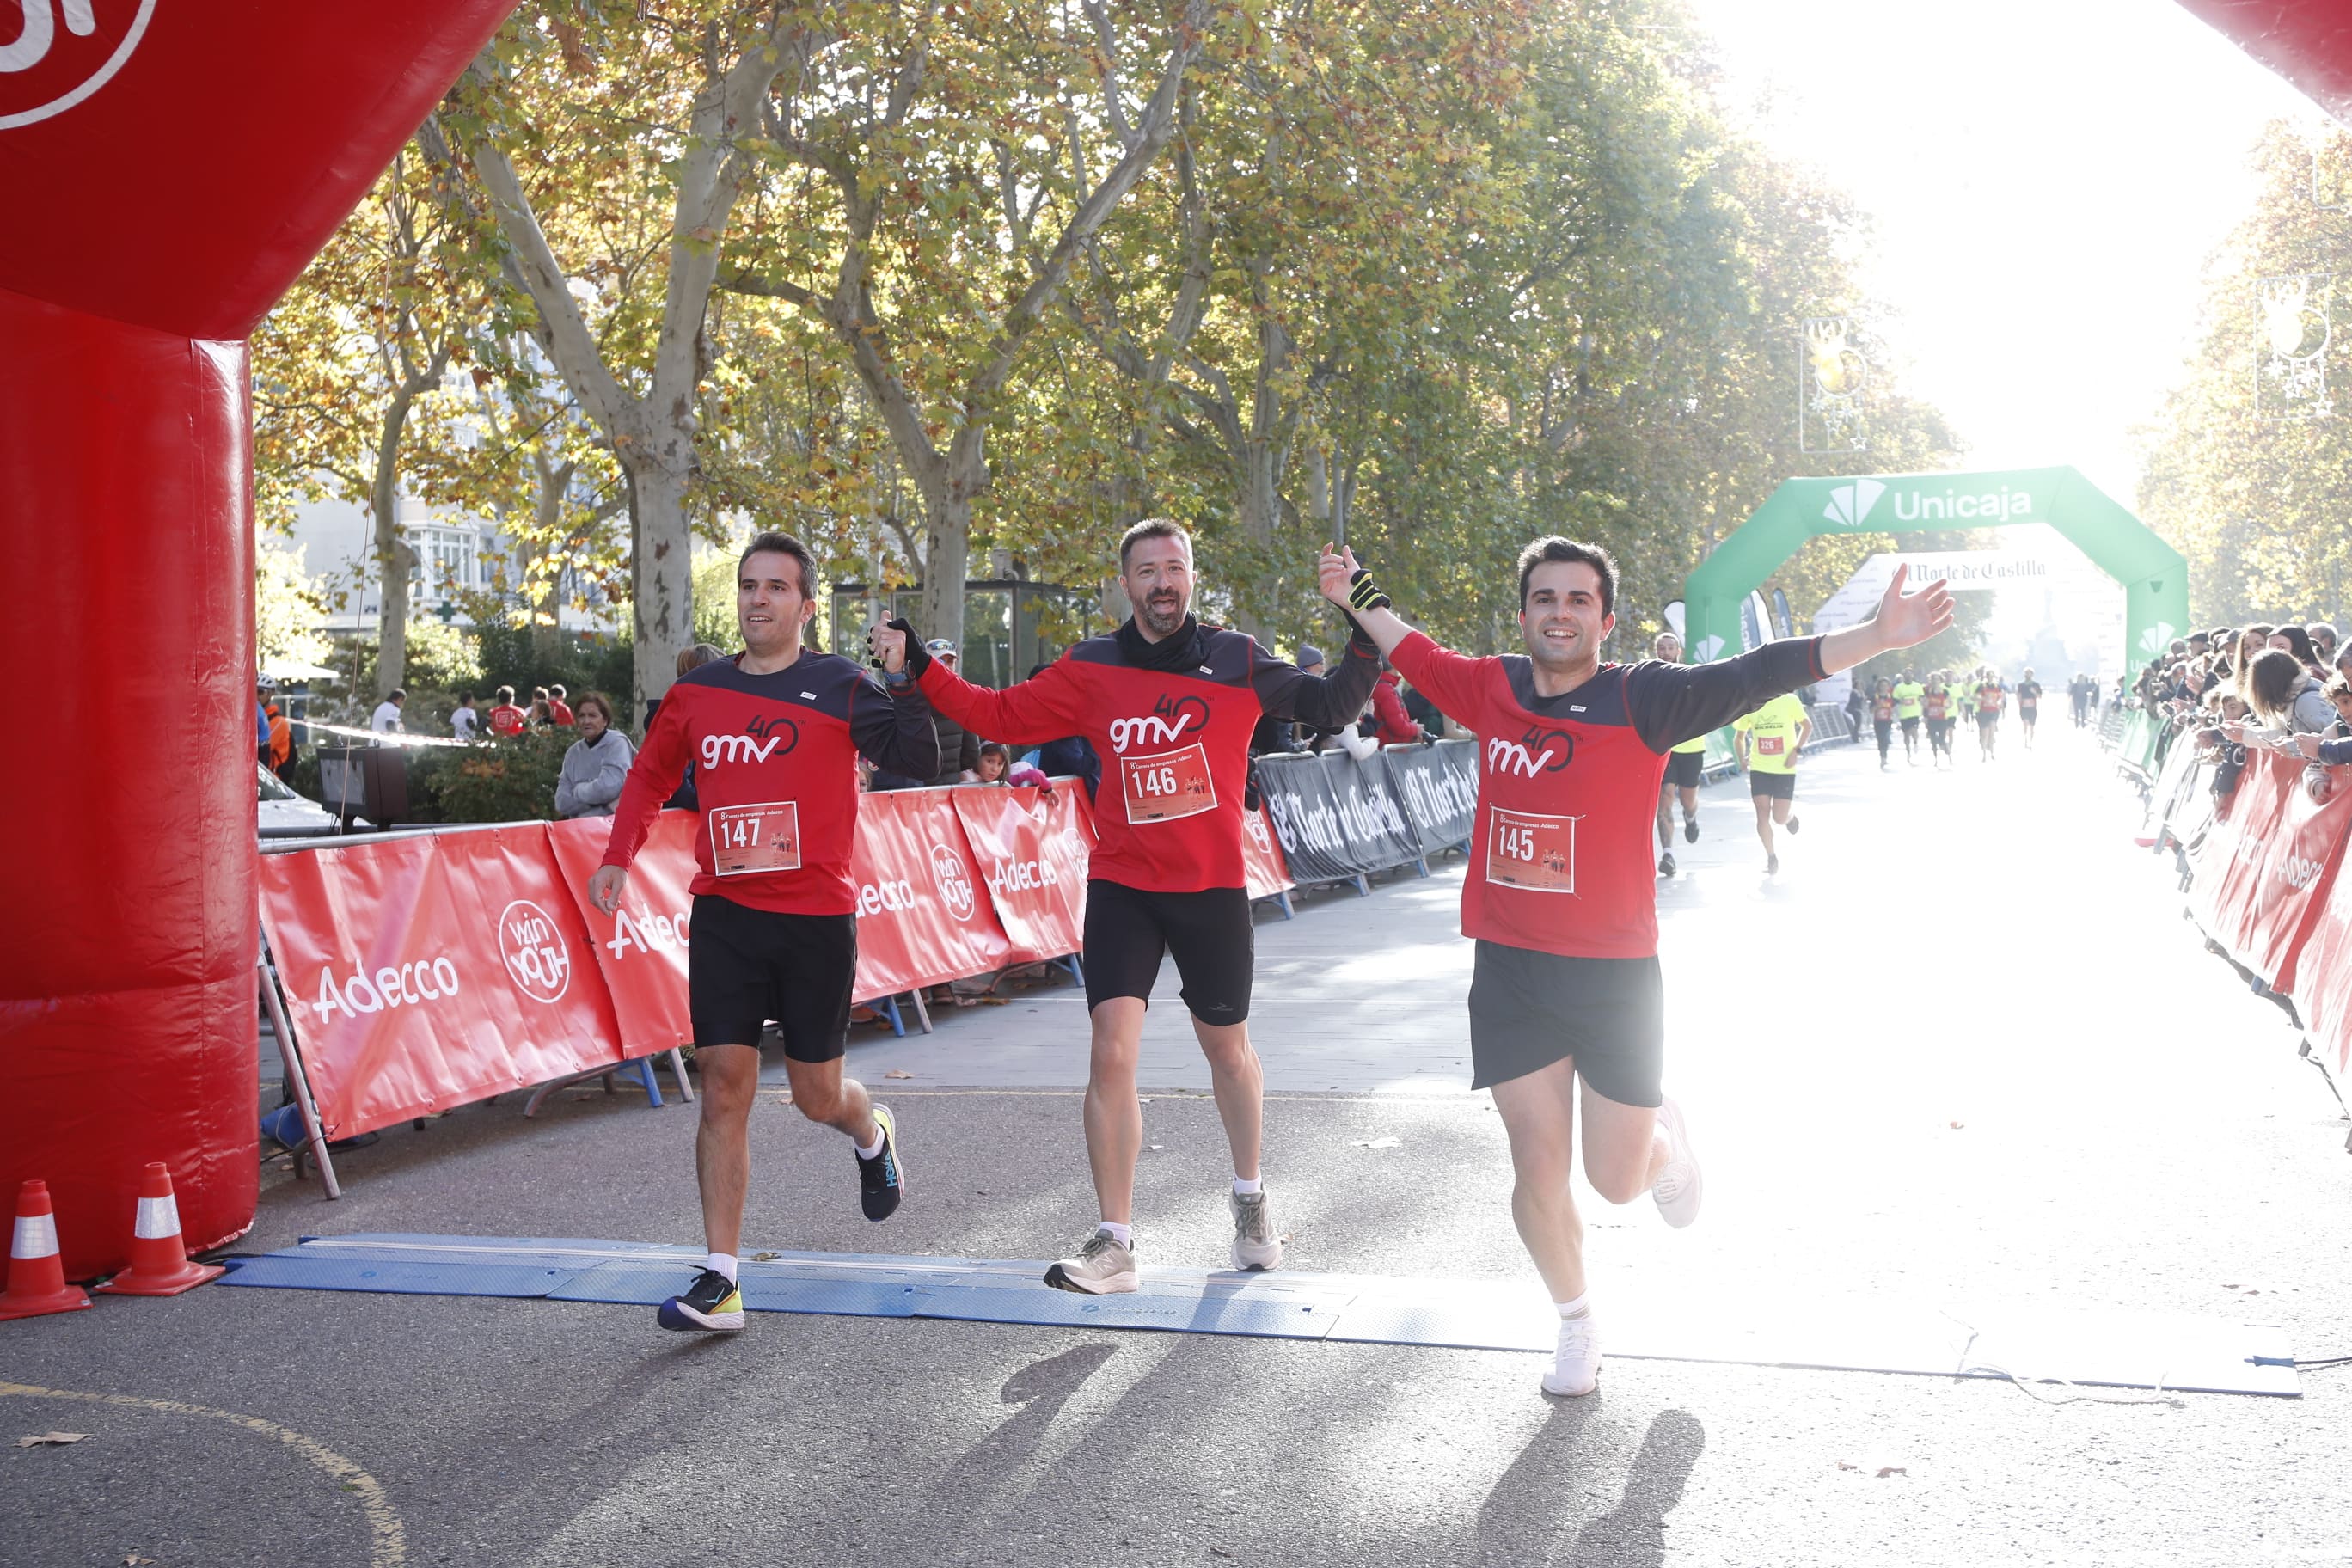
pixel 1171 723
pixel 775 775
pixel 1568 786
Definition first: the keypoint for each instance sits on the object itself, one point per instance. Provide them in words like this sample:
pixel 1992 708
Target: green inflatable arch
pixel 2154 576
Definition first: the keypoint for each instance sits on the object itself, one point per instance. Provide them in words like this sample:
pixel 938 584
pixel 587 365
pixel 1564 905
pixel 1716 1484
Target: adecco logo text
pixel 874 897
pixel 537 959
pixel 64 51
pixel 648 933
pixel 394 986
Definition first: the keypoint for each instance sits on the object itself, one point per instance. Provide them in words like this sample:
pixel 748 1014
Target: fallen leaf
pixel 894 1072
pixel 765 1257
pixel 1376 1143
pixel 1958 1125
pixel 1843 1465
pixel 1886 1471
pixel 135 1559
pixel 1155 1146
pixel 50 1438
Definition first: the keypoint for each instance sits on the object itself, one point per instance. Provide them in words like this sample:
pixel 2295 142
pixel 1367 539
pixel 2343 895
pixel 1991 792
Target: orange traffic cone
pixel 159 1263
pixel 36 1277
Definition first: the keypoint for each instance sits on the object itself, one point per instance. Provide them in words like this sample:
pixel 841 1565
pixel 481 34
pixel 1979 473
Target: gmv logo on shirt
pixel 1536 751
pixel 1170 720
pixel 764 738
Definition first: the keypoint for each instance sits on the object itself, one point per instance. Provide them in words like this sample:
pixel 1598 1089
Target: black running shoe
pixel 882 1180
pixel 712 1302
pixel 1792 824
pixel 1667 863
pixel 1690 829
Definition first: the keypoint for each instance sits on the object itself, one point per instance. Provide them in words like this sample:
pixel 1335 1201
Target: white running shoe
pixel 1104 1267
pixel 1575 1369
pixel 1256 1243
pixel 1679 1185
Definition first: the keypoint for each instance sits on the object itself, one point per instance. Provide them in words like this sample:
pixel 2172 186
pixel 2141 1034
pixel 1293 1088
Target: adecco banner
pixel 1032 847
pixel 641 948
pixel 2299 863
pixel 2231 856
pixel 424 974
pixel 1335 816
pixel 923 911
pixel 1439 787
pixel 1263 871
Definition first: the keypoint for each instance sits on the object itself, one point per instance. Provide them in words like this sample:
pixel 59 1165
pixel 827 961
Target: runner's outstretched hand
pixel 1344 582
pixel 1906 620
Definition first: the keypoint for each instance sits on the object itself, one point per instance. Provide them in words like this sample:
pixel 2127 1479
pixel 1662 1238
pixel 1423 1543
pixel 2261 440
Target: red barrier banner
pixel 2322 992
pixel 922 916
pixel 1032 848
pixel 2229 862
pixel 1262 861
pixel 2299 866
pixel 641 948
pixel 429 973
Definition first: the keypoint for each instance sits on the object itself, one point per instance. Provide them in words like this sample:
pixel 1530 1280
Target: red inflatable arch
pixel 167 168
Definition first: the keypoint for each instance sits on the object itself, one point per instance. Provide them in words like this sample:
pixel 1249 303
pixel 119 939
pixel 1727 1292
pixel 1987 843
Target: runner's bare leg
pixel 821 1094
pixel 1240 1085
pixel 722 1139
pixel 1764 822
pixel 1114 1116
pixel 1538 1112
pixel 1623 1152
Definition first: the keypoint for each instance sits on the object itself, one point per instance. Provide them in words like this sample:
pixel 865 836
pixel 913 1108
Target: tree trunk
pixel 394 558
pixel 547 507
pixel 946 556
pixel 663 613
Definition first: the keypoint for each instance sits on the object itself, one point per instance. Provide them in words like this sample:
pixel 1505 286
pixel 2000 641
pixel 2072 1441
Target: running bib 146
pixel 745 839
pixel 1172 785
pixel 1526 850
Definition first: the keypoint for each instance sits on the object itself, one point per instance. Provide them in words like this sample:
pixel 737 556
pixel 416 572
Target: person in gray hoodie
pixel 595 765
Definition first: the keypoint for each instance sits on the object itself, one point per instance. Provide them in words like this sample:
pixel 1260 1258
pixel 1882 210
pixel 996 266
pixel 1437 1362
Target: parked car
pixel 286 814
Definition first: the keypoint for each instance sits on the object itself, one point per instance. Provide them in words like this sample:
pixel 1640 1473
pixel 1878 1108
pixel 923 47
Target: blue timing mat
pixel 2033 1344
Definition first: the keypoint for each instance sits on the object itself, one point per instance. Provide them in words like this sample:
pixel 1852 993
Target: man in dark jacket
pixel 959 748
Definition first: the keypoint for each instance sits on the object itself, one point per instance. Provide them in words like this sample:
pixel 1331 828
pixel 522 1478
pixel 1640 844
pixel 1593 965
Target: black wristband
pixel 918 657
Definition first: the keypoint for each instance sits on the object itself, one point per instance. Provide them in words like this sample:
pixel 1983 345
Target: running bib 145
pixel 1526 850
pixel 1172 785
pixel 745 839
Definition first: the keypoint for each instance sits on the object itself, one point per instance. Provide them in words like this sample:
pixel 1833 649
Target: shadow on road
pixel 1536 1499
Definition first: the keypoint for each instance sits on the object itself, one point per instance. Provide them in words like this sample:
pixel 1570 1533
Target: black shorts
pixel 1911 725
pixel 1529 1010
pixel 745 966
pixel 1986 720
pixel 1885 728
pixel 1772 786
pixel 2025 716
pixel 1209 934
pixel 1686 769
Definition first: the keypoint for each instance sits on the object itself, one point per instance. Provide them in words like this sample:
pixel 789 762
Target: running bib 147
pixel 746 839
pixel 1172 785
pixel 1526 850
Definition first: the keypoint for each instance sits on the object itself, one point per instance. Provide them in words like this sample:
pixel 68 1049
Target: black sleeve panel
pixel 1671 703
pixel 1321 702
pixel 893 730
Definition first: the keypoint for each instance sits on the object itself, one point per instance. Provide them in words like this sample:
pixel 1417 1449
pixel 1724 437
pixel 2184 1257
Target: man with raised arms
pixel 774 734
pixel 1170 705
pixel 1560 897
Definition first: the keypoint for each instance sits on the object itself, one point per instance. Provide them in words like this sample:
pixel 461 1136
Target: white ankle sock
pixel 876 1152
pixel 1122 1234
pixel 1581 1307
pixel 1247 1186
pixel 721 1262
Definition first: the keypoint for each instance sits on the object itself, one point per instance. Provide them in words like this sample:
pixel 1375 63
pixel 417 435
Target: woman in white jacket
pixel 595 765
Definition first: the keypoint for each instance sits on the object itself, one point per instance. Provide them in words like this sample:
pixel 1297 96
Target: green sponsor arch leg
pixel 2154 576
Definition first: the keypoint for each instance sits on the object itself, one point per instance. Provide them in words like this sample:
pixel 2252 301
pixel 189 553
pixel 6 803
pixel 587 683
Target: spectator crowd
pixel 2285 688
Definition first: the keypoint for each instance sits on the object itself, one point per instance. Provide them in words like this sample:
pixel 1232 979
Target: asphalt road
pixel 1962 1051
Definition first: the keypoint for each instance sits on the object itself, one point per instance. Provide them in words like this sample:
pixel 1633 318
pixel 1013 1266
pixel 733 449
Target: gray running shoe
pixel 1255 1244
pixel 1104 1267
pixel 1679 1185
pixel 1690 829
pixel 1575 1369
pixel 1667 863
